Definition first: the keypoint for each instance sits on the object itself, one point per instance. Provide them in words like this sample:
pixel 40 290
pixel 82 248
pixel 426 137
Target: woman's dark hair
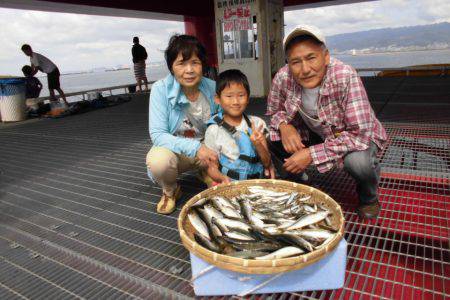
pixel 26 47
pixel 27 70
pixel 231 76
pixel 187 45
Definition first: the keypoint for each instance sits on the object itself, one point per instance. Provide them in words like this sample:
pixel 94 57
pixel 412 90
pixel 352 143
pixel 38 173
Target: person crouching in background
pixel 33 87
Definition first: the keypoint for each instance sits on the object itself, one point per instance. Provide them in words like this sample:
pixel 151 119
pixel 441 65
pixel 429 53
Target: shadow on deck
pixel 77 212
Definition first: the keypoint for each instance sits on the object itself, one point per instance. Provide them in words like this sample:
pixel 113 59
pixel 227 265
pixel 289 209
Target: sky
pixel 81 42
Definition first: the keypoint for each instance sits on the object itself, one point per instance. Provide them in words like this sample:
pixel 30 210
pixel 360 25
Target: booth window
pixel 238 38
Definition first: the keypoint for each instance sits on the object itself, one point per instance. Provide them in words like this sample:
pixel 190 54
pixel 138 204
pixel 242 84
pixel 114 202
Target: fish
pixel 282 253
pixel 226 209
pixel 310 209
pixel 239 236
pixel 304 198
pixel 222 201
pixel 257 246
pixel 307 220
pixel 326 227
pixel 200 202
pixel 265 224
pixel 198 224
pixel 264 191
pixel 210 245
pixel 219 225
pixel 273 230
pixel 291 199
pixel 234 224
pixel 213 212
pixel 314 233
pixel 246 208
pixel 207 217
pixel 247 212
pixel 295 240
pixel 281 222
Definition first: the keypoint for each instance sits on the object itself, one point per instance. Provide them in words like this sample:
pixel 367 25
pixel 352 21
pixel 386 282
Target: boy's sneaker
pixel 167 203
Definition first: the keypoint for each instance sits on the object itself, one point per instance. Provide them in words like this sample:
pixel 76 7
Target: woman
pixel 180 106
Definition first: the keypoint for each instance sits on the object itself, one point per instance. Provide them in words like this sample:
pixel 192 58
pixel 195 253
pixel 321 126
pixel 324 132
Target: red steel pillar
pixel 204 29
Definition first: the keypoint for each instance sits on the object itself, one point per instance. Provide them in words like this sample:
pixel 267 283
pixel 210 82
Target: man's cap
pixel 304 30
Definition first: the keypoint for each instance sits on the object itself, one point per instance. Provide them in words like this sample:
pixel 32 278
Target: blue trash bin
pixel 12 99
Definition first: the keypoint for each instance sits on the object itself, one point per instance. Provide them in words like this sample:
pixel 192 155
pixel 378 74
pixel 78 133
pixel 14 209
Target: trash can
pixel 12 99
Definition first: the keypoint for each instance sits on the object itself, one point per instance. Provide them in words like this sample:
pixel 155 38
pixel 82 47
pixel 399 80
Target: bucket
pixel 12 99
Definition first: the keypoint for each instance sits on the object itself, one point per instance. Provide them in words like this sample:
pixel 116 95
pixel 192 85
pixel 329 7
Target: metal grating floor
pixel 77 213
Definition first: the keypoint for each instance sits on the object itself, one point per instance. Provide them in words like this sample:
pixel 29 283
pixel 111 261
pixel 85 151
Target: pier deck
pixel 77 211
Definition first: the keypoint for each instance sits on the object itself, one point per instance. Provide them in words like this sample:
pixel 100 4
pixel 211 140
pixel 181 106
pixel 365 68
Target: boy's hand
pixel 270 172
pixel 257 137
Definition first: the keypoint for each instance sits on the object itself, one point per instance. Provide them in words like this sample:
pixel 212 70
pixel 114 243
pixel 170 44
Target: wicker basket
pixel 252 266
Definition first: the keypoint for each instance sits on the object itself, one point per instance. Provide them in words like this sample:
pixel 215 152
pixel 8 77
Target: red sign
pixel 237 24
pixel 237 12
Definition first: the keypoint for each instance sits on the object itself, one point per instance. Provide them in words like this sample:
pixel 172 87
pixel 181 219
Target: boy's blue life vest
pixel 248 165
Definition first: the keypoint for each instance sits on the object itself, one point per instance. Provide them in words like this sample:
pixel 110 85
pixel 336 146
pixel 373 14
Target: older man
pixel 321 116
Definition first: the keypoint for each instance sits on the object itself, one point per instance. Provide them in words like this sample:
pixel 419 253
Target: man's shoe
pixel 167 203
pixel 369 211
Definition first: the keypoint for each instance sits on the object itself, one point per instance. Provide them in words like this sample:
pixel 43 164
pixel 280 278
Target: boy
pixel 33 86
pixel 239 139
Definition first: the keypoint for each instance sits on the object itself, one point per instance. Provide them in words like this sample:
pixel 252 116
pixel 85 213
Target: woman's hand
pixel 290 138
pixel 225 180
pixel 206 156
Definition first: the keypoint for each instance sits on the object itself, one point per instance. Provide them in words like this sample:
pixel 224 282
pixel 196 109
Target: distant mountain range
pixel 422 37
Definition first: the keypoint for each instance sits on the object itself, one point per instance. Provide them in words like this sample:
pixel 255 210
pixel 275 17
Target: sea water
pixel 88 81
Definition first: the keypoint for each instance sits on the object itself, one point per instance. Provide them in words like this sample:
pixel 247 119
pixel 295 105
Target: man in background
pixel 139 56
pixel 41 63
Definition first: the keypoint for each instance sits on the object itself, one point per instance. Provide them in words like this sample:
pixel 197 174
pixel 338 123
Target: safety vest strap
pixel 231 129
pixel 222 123
pixel 249 159
pixel 236 176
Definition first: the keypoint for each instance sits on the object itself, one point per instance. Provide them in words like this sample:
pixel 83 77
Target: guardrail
pixel 85 93
pixel 442 69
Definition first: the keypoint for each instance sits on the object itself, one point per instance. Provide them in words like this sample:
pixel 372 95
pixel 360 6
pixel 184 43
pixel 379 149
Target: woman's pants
pixel 165 166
